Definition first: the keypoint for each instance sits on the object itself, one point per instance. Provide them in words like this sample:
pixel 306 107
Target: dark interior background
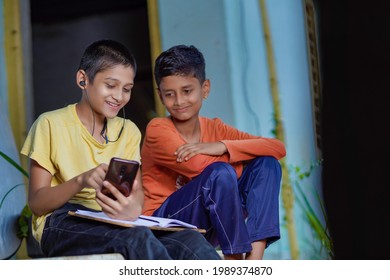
pixel 61 30
pixel 355 42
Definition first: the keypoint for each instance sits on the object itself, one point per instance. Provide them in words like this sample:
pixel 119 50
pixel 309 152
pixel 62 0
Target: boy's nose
pixel 118 95
pixel 178 99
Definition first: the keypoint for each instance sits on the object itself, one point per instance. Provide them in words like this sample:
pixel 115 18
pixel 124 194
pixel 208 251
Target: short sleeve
pixel 38 146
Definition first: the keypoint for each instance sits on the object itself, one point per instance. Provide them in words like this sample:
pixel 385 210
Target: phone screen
pixel 121 174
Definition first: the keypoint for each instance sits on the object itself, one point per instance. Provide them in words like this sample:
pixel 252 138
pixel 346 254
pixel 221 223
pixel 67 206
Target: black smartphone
pixel 121 174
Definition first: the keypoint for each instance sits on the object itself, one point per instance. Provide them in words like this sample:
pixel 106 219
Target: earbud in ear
pixel 82 83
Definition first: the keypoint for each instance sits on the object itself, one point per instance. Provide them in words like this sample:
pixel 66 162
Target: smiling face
pixel 110 90
pixel 183 96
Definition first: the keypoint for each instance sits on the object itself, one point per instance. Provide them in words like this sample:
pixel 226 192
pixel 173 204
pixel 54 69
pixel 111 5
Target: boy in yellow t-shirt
pixel 69 150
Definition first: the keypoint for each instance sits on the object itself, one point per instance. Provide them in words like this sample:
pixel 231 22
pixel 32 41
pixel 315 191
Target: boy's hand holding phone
pixel 121 174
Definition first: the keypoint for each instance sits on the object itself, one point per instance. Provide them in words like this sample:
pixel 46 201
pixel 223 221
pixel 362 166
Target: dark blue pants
pixel 234 212
pixel 66 235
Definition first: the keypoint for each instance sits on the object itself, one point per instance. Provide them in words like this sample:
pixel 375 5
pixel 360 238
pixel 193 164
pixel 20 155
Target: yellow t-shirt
pixel 61 144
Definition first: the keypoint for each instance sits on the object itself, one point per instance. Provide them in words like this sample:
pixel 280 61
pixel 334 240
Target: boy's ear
pixel 206 88
pixel 81 79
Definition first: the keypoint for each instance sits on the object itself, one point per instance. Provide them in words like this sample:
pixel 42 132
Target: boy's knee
pixel 143 233
pixel 222 168
pixel 223 175
pixel 268 162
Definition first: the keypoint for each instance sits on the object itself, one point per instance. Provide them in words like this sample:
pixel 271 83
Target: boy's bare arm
pixel 42 198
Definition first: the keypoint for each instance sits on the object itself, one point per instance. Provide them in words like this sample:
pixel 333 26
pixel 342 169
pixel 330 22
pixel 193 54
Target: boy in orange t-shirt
pixel 206 172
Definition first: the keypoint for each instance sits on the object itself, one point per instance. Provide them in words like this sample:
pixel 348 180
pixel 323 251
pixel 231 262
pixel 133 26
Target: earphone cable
pixel 104 131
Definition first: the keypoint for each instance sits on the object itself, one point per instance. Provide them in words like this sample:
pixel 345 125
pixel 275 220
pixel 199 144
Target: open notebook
pixel 155 223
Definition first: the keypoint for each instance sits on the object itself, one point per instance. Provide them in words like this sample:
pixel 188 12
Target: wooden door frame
pixel 13 50
pixel 155 49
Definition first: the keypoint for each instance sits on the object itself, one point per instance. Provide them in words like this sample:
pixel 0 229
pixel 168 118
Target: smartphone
pixel 121 174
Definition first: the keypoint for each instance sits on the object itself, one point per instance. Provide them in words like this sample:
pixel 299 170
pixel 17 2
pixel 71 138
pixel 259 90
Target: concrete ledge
pixel 114 256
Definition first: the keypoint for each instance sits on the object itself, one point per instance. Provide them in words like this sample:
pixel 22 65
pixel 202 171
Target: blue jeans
pixel 235 212
pixel 66 235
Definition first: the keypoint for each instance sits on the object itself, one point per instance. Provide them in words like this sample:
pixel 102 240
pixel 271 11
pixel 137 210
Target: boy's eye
pixel 110 86
pixel 127 90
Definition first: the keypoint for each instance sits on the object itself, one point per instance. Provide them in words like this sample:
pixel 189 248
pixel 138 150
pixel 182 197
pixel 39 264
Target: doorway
pixel 61 30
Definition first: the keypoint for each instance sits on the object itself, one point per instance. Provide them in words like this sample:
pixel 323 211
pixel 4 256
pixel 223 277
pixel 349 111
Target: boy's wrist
pixel 78 181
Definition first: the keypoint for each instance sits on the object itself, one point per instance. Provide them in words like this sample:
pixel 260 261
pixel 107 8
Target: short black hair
pixel 104 54
pixel 180 60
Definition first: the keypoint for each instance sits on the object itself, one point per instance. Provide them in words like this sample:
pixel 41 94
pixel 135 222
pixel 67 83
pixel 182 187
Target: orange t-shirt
pixel 162 174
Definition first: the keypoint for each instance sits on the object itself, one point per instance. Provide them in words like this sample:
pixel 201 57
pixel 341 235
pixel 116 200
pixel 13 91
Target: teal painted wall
pixel 202 23
pixel 230 35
